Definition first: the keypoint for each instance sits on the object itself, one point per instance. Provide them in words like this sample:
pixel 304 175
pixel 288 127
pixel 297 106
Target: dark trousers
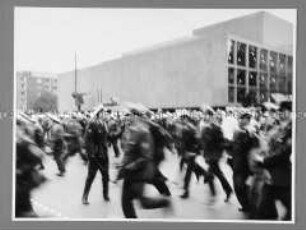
pixel 74 148
pixel 242 190
pixel 114 143
pixel 267 208
pixel 192 166
pixel 23 203
pixel 135 190
pixel 94 165
pixel 214 169
pixel 60 162
pixel 59 155
pixel 159 183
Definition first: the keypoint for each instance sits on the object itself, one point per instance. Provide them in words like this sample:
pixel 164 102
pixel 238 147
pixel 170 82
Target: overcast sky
pixel 46 39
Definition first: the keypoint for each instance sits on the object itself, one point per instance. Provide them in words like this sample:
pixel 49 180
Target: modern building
pixel 217 65
pixel 31 85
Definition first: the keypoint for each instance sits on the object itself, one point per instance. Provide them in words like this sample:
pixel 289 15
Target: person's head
pixel 208 115
pixel 244 120
pixel 101 115
pixel 218 118
pixel 285 110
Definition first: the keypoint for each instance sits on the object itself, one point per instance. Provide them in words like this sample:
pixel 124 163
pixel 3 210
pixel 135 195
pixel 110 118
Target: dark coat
pixel 241 145
pixel 212 142
pixel 96 139
pixel 138 146
pixel 279 165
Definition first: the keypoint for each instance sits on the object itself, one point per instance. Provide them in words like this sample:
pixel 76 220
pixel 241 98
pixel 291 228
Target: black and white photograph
pixel 179 115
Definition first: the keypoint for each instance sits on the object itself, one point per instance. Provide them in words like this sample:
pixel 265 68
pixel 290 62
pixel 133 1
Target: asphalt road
pixel 60 197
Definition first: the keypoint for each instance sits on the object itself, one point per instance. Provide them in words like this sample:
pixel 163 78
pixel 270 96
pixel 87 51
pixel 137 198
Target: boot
pixel 105 191
pixel 85 199
pixel 185 195
pixel 86 193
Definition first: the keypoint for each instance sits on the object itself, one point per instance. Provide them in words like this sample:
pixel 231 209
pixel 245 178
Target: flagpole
pixel 75 73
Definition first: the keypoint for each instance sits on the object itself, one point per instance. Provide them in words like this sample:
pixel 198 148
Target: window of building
pixel 263 59
pixel 241 79
pixel 282 64
pixel 231 94
pixel 230 51
pixel 263 81
pixel 273 84
pixel 241 92
pixel 241 53
pixel 231 76
pixel 289 64
pixel 253 94
pixel 263 96
pixel 252 56
pixel 289 86
pixel 252 79
pixel 272 61
pixel 282 85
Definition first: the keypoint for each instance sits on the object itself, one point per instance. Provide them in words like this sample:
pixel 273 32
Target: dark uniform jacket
pixel 114 129
pixel 241 145
pixel 57 137
pixel 96 139
pixel 190 143
pixel 138 146
pixel 212 142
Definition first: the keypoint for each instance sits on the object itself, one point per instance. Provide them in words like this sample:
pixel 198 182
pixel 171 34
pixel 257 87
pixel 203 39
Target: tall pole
pixel 75 73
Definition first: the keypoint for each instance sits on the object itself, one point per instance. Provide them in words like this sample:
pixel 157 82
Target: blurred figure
pixel 28 176
pixel 114 133
pixel 278 164
pixel 242 143
pixel 213 142
pixel 74 139
pixel 162 140
pixel 190 149
pixel 58 143
pixel 138 167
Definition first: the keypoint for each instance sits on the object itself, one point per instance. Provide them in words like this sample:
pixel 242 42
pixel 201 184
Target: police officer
pixel 212 142
pixel 58 143
pixel 96 147
pixel 242 143
pixel 74 134
pixel 162 139
pixel 138 166
pixel 190 149
pixel 114 134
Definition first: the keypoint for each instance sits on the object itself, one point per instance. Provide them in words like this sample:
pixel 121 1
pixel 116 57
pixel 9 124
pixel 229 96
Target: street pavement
pixel 60 197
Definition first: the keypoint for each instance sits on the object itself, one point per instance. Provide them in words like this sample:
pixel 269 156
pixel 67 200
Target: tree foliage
pixel 47 102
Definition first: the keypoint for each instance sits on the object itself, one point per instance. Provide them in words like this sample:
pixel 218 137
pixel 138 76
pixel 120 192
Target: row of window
pixel 240 53
pixel 257 73
pixel 243 78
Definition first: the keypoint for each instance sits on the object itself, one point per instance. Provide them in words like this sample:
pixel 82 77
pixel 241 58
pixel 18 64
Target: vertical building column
pixel 247 72
pixel 269 74
pixel 277 73
pixel 258 75
pixel 286 75
pixel 235 72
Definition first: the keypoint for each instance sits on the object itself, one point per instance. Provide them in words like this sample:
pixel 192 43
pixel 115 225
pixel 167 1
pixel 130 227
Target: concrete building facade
pixel 217 65
pixel 31 85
